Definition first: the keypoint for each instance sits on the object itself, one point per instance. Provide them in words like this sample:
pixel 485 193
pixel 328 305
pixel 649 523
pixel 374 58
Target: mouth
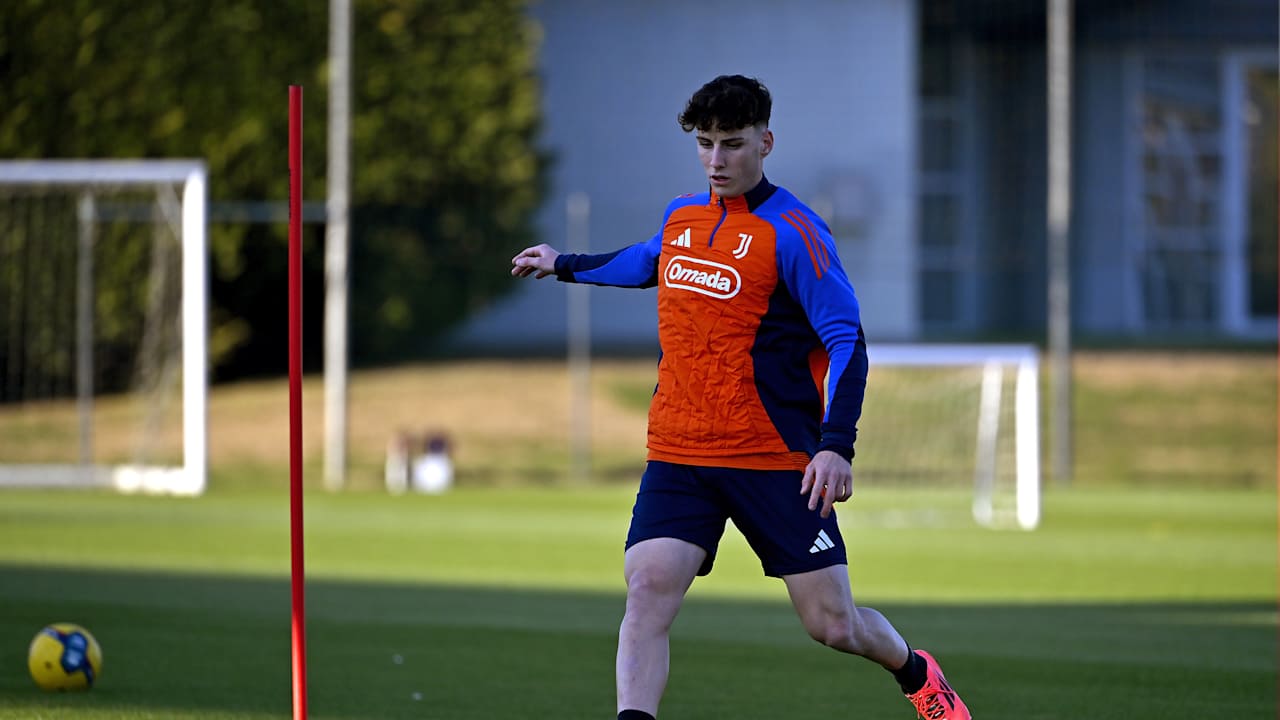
pixel 719 180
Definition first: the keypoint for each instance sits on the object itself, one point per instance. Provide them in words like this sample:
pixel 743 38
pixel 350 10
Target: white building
pixel 917 128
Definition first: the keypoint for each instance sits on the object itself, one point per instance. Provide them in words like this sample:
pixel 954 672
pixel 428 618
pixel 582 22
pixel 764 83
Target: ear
pixel 766 142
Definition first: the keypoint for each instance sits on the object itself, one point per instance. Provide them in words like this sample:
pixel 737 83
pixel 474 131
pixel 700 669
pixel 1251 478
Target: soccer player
pixel 754 311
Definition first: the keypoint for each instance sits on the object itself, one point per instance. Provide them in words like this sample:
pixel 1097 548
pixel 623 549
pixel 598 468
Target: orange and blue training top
pixel 754 309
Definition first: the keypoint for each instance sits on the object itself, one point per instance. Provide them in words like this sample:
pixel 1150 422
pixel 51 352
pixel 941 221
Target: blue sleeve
pixel 808 264
pixel 634 266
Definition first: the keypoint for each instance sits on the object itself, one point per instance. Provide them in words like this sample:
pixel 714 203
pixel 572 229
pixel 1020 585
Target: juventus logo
pixel 743 247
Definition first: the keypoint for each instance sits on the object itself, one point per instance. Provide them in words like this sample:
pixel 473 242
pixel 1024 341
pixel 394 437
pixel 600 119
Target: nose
pixel 716 157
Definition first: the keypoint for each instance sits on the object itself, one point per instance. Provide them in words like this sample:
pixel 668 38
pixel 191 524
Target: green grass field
pixel 504 602
pixel 1150 589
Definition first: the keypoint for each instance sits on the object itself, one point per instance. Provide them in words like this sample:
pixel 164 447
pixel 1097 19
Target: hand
pixel 828 479
pixel 539 261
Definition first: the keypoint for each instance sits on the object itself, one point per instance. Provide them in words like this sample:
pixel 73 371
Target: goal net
pixel 960 417
pixel 103 325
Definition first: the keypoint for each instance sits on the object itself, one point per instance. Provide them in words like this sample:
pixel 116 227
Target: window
pixel 1260 121
pixel 944 204
pixel 1178 207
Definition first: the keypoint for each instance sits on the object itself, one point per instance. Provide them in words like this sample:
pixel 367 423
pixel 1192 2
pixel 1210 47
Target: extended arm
pixel 632 266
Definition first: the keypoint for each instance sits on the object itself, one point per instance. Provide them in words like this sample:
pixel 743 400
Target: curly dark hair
pixel 730 102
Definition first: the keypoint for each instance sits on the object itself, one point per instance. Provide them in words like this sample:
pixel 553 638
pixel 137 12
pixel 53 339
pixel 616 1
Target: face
pixel 734 159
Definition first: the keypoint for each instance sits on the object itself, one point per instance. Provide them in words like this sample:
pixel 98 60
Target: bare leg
pixel 658 574
pixel 825 604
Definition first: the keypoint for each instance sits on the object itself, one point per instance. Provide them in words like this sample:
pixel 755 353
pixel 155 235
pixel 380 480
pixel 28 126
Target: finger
pixel 807 481
pixel 828 500
pixel 541 274
pixel 846 491
pixel 816 493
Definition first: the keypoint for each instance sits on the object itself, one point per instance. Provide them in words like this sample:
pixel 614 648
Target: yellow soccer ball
pixel 64 656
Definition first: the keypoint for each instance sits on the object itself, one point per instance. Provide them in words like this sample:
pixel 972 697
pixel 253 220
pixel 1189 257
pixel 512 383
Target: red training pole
pixel 295 403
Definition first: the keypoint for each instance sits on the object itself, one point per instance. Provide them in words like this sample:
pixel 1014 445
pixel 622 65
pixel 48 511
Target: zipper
pixel 724 212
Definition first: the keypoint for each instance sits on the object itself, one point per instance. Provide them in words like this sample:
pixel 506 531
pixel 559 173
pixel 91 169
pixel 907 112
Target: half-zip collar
pixel 748 201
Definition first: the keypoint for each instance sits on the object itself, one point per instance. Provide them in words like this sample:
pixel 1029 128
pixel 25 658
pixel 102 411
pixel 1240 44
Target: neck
pixel 753 198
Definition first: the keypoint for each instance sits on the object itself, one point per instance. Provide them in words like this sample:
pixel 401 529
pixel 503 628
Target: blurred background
pixel 922 130
pixel 1059 217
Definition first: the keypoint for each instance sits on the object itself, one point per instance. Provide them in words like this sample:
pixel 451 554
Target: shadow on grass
pixel 205 646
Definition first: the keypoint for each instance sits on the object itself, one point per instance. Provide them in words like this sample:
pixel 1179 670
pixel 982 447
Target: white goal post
pixel 989 434
pixel 84 180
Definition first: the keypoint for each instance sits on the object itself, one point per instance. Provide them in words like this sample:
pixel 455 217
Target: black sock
pixel 635 715
pixel 912 675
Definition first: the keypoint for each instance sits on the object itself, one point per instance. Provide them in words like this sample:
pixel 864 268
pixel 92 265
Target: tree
pixel 446 174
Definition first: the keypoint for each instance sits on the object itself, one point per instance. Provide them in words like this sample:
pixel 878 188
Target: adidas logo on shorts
pixel 823 542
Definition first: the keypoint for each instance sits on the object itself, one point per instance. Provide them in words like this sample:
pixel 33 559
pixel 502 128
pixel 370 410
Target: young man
pixel 754 310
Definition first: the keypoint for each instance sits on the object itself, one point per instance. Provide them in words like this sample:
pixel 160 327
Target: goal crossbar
pixel 191 175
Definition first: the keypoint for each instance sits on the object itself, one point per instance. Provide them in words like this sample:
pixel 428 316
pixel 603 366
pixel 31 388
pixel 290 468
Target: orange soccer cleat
pixel 936 700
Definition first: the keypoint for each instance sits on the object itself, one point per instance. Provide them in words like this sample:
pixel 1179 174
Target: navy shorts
pixel 691 503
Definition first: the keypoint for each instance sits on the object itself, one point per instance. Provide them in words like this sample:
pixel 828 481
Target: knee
pixel 653 598
pixel 839 630
pixel 649 585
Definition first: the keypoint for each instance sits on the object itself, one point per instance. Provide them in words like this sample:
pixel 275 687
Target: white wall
pixel 615 76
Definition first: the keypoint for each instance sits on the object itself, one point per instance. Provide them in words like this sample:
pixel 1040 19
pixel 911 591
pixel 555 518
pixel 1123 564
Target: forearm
pixel 846 388
pixel 632 266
